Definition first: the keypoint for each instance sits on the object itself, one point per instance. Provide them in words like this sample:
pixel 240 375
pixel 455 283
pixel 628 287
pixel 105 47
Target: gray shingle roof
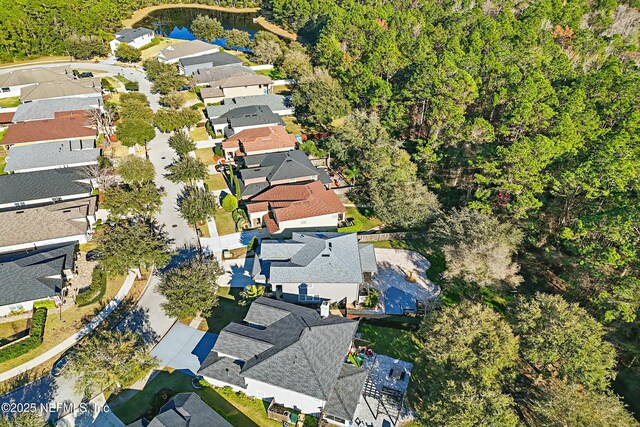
pixel 191 47
pixel 30 186
pixel 208 75
pixel 252 115
pixel 187 410
pixel 279 166
pixel 27 276
pixel 38 223
pixel 127 35
pixel 368 258
pixel 46 108
pixel 274 102
pixel 344 399
pixel 306 352
pixel 34 75
pixel 311 258
pixel 48 155
pixel 215 59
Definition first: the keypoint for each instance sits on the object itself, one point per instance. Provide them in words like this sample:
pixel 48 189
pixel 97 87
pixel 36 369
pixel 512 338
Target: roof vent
pixel 324 309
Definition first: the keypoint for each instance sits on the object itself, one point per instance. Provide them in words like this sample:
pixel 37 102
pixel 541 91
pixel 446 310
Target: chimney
pixel 324 309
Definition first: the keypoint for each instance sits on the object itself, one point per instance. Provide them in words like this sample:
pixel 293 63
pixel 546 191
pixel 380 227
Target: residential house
pixel 51 155
pixel 68 126
pixel 184 410
pixel 205 76
pixel 134 37
pixel 46 109
pixel 191 65
pixel 81 88
pixel 242 118
pixel 296 207
pixel 290 355
pixel 36 226
pixel 27 277
pixel 12 82
pixel 312 267
pixel 230 87
pixel 263 140
pixel 176 52
pixel 279 104
pixel 48 186
pixel 286 167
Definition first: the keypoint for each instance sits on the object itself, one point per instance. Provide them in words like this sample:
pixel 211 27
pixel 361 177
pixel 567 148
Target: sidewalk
pixel 115 302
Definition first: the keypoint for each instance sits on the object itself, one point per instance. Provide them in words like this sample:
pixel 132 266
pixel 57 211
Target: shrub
pixel 36 334
pixel 154 42
pixel 45 303
pixel 132 86
pixel 218 151
pixel 230 203
pixel 96 290
pixel 106 85
pixel 372 298
pixel 253 244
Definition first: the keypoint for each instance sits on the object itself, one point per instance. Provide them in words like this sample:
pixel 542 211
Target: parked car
pixel 221 167
pixel 58 367
pixel 184 88
pixel 92 256
pixel 85 75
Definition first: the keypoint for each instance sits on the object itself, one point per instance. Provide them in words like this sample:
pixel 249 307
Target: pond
pixel 176 22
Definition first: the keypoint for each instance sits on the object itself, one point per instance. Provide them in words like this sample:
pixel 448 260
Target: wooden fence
pixel 367 237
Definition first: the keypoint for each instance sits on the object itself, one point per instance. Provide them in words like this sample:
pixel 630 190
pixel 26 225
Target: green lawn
pixel 205 155
pixel 362 218
pixel 200 134
pixel 224 222
pixel 10 102
pixel 10 331
pixel 227 311
pixel 400 344
pixel 239 410
pixel 3 158
pixel 292 125
pixel 216 181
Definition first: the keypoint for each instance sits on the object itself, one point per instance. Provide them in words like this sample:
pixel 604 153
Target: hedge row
pixel 96 291
pixel 36 334
pixel 45 303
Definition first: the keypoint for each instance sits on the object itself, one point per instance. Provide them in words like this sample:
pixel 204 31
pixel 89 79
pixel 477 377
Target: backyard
pixel 400 344
pixel 362 220
pixel 10 102
pixel 238 409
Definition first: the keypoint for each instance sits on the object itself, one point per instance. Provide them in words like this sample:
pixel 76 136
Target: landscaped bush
pixel 218 151
pixel 96 290
pixel 372 298
pixel 154 42
pixel 45 303
pixel 230 203
pixel 132 86
pixel 106 85
pixel 36 334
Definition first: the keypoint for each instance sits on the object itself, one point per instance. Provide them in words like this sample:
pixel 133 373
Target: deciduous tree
pixel 142 199
pixel 191 288
pixel 319 98
pixel 181 143
pixel 134 132
pixel 478 248
pixel 124 245
pixel 207 28
pixel 108 360
pixel 126 53
pixel 236 38
pixel 136 170
pixel 187 170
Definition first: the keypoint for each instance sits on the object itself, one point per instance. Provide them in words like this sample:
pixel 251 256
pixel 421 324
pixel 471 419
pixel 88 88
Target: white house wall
pixel 232 92
pixel 40 201
pixel 288 398
pixel 5 310
pixel 330 291
pixel 80 238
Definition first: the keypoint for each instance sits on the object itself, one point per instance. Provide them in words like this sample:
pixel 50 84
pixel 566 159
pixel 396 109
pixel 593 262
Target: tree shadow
pixel 241 275
pixel 138 321
pixel 40 392
pixel 183 254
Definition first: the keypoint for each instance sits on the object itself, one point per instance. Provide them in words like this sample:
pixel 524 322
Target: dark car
pixel 184 88
pixel 92 256
pixel 58 367
pixel 85 75
pixel 222 168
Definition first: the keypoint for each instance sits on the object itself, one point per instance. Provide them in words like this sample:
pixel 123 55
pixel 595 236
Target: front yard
pixel 227 311
pixel 238 409
pixel 205 155
pixel 3 155
pixel 200 134
pixel 10 102
pixel 216 181
pixel 224 222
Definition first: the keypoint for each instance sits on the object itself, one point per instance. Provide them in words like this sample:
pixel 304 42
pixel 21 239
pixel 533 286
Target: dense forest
pixel 508 135
pixel 523 118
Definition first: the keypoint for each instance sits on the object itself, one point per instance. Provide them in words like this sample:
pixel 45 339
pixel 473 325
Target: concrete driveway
pixel 184 348
pixel 399 294
pixel 237 273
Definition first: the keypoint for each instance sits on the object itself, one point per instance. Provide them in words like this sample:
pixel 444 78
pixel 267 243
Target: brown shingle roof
pixel 260 139
pixel 296 201
pixel 67 125
pixel 6 118
pixel 53 221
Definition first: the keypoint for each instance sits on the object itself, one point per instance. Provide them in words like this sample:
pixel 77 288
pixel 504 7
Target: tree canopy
pixel 191 288
pixel 136 170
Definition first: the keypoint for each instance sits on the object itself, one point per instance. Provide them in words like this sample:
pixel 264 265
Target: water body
pixel 176 23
